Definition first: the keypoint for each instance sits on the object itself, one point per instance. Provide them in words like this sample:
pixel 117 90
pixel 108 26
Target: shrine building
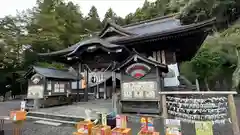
pixel 136 61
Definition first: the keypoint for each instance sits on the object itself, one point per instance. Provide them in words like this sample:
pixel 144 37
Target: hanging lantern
pixel 138 70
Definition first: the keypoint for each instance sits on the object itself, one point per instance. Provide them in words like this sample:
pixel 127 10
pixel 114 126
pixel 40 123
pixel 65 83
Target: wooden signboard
pixel 139 90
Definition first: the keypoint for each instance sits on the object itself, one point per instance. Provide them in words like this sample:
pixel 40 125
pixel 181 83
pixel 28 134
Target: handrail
pixel 198 92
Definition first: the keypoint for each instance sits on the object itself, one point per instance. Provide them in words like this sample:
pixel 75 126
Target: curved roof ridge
pixel 103 43
pixel 72 49
pixel 115 26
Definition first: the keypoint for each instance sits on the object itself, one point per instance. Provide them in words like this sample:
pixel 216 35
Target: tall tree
pixel 45 29
pixel 70 17
pixel 110 15
pixel 11 34
pixel 206 65
pixel 93 22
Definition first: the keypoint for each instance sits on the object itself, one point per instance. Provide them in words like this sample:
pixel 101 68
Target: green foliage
pixel 205 62
pixel 226 11
pixel 186 69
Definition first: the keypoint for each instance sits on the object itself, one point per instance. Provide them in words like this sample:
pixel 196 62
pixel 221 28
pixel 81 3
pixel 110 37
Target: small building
pixel 50 86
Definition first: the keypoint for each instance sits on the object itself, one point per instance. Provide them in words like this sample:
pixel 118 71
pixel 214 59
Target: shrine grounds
pixel 30 127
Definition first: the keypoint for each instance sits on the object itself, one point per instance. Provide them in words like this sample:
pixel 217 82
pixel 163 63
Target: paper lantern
pixel 138 70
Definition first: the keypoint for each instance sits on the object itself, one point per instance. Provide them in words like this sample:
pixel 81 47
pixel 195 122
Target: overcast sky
pixel 121 7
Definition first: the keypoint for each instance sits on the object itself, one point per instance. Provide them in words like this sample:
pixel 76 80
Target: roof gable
pixel 112 29
pixel 135 57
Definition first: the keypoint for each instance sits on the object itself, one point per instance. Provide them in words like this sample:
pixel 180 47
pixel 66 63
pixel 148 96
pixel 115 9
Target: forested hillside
pixel 55 24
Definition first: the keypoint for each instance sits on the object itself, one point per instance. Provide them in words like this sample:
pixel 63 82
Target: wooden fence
pixel 190 106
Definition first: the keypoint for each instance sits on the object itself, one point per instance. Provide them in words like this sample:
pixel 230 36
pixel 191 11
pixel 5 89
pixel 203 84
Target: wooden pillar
pixel 154 55
pixel 86 88
pixel 163 97
pixel 105 90
pixel 163 57
pixel 97 94
pixel 158 75
pixel 174 57
pixel 79 69
pixel 114 94
pixel 95 91
pixel 159 56
pixel 233 114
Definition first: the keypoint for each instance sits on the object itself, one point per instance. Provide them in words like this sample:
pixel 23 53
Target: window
pixel 49 85
pixel 56 87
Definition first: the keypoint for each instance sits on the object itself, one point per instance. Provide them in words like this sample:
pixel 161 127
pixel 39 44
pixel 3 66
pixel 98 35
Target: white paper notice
pixel 174 80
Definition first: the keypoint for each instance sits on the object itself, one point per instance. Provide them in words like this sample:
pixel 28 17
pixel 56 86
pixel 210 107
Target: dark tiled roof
pixel 154 28
pixel 54 73
pixel 161 29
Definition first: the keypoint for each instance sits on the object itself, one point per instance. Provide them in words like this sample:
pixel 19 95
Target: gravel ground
pixel 29 128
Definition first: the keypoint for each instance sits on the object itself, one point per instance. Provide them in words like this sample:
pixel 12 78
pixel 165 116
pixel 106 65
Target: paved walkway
pixel 7 106
pixel 78 109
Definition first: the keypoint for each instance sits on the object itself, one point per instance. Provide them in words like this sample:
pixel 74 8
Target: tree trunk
pixel 206 84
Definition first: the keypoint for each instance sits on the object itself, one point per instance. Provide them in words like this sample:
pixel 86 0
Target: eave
pixel 86 45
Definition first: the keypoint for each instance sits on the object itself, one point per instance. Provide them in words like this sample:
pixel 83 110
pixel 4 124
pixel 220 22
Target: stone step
pixel 54 117
pixel 65 119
